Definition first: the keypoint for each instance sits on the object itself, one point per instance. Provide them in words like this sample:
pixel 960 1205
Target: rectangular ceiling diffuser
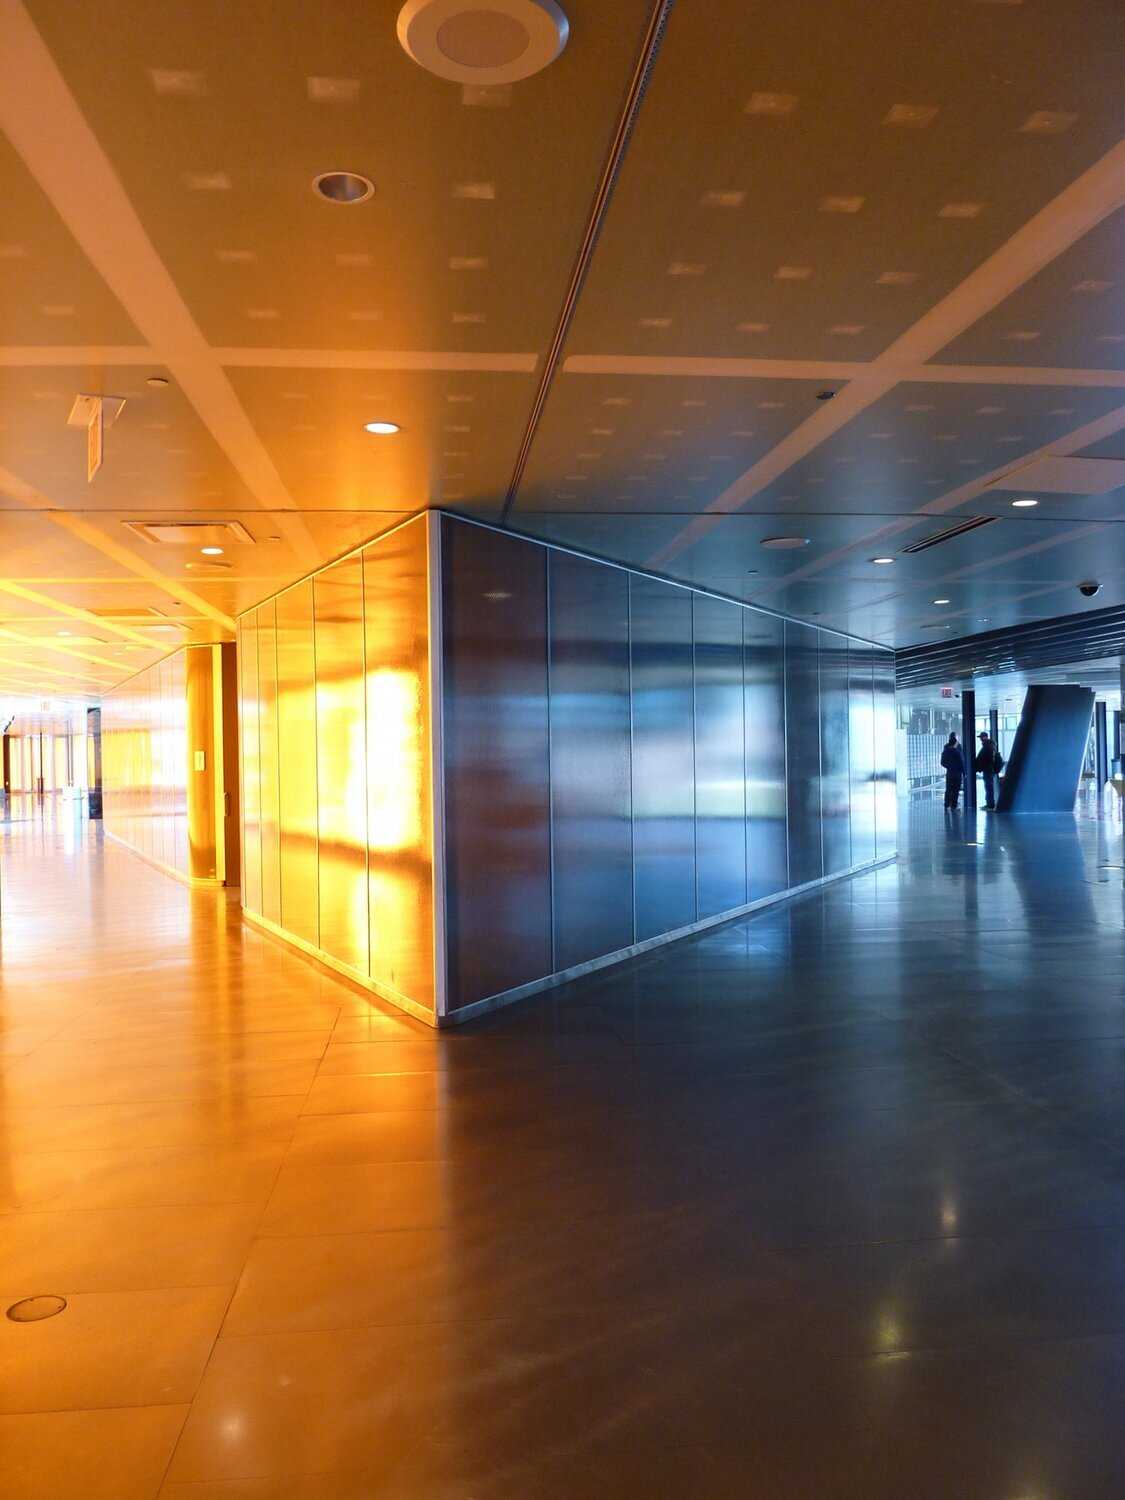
pixel 938 537
pixel 190 533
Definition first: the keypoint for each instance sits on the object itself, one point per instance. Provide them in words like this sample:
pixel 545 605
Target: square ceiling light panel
pixel 1052 475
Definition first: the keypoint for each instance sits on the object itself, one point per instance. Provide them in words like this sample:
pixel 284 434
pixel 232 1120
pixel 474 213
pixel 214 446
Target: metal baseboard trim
pixel 621 955
pixel 193 882
pixel 318 955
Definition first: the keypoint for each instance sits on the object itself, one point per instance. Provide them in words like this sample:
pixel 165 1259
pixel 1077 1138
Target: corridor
pixel 825 1202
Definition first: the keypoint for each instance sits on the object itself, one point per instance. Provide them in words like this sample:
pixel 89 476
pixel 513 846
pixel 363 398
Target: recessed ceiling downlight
pixel 883 562
pixel 343 187
pixel 482 41
pixel 381 429
pixel 784 543
pixel 1025 504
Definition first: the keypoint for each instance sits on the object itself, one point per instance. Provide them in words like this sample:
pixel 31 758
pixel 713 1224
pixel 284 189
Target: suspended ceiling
pixel 916 207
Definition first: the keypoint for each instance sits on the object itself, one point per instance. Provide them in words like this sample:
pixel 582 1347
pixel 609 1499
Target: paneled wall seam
pixel 316 764
pixel 436 764
pixel 550 778
pixel 632 753
pixel 695 751
pixel 370 966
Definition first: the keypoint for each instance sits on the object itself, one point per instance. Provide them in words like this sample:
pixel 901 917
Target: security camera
pixel 1088 590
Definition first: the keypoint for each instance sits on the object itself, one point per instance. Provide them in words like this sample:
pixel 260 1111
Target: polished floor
pixel 825 1203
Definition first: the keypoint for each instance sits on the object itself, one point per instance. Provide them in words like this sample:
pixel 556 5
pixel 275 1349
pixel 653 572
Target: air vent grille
pixel 939 537
pixel 140 614
pixel 190 533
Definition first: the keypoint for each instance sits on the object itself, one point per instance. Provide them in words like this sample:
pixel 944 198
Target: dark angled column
pixel 969 741
pixel 994 725
pixel 1101 748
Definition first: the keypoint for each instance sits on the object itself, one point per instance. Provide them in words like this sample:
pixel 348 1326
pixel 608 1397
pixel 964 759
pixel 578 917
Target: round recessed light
pixel 784 543
pixel 211 551
pixel 64 632
pixel 1025 504
pixel 482 41
pixel 381 429
pixel 343 187
pixel 158 382
pixel 941 601
pixel 883 562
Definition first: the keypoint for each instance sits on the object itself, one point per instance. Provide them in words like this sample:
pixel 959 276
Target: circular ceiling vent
pixel 343 187
pixel 784 543
pixel 482 41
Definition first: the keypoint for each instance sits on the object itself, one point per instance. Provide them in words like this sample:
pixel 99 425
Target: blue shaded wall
pixel 624 758
pixel 1044 768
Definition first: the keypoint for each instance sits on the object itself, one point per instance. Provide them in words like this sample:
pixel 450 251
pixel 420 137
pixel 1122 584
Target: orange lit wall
pixel 334 712
pixel 162 764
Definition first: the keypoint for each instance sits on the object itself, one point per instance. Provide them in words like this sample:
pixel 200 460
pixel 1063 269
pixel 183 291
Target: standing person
pixel 989 762
pixel 953 764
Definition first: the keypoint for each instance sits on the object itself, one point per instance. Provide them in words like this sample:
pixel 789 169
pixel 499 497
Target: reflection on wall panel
pixel 343 771
pixel 591 809
pixel 197 732
pixel 766 809
pixel 613 758
pixel 399 810
pixel 802 750
pixel 497 794
pixel 161 764
pixel 200 860
pixel 341 761
pixel 251 770
pixel 720 750
pixel 663 757
pixel 296 738
pixel 269 810
pixel 835 770
pixel 886 790
pixel 861 750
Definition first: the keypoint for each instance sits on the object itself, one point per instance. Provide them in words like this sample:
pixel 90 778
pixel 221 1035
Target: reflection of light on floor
pixel 948 1215
pixel 889 1330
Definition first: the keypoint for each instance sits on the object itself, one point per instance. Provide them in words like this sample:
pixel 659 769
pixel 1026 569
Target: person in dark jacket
pixel 953 764
pixel 989 762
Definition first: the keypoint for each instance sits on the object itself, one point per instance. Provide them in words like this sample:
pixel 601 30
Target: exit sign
pixel 947 692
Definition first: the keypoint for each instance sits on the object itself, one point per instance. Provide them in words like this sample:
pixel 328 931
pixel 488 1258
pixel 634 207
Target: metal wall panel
pixel 268 761
pixel 591 802
pixel 886 787
pixel 497 791
pixel 835 771
pixel 251 768
pixel 399 815
pixel 802 752
pixel 766 809
pixel 341 761
pixel 861 750
pixel 663 757
pixel 720 756
pixel 296 731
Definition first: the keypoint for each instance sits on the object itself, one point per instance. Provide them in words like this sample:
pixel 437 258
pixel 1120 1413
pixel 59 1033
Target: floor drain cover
pixel 34 1309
